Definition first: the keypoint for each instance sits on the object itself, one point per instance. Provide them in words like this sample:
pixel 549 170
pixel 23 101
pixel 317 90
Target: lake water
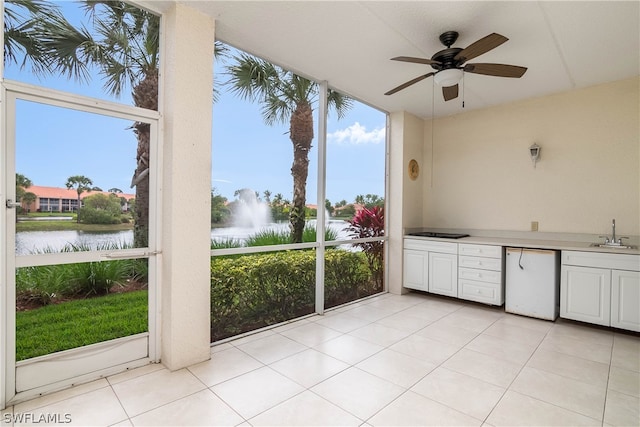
pixel 53 241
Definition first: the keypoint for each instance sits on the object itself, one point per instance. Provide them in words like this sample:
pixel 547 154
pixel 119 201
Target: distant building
pixel 56 199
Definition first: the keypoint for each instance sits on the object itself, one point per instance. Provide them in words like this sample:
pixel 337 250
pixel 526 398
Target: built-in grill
pixel 438 235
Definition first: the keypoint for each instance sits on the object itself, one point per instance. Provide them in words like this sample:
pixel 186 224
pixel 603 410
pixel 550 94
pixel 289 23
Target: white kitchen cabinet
pixel 601 288
pixel 480 273
pixel 625 300
pixel 443 274
pixel 585 294
pixel 416 268
pixel 431 266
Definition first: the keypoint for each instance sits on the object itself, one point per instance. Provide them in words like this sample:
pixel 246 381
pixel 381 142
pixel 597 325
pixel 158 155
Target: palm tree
pixel 81 183
pixel 22 38
pixel 285 97
pixel 123 46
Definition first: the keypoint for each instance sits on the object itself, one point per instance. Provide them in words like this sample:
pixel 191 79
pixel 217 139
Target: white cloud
pixel 356 134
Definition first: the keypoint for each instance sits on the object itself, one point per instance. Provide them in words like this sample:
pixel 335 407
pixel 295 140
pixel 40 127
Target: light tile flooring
pixel 390 360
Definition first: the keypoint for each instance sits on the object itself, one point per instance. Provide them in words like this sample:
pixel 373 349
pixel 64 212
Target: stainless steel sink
pixel 613 242
pixel 612 246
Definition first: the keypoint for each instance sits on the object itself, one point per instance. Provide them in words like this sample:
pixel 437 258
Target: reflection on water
pixel 29 242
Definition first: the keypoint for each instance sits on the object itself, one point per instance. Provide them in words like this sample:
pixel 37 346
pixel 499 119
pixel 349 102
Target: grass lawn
pixel 46 214
pixel 78 323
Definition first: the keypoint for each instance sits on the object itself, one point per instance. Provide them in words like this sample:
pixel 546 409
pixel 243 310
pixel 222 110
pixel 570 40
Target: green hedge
pixel 256 290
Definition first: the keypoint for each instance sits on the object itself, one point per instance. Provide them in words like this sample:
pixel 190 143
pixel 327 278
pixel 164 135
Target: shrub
pixel 369 222
pixel 309 234
pixel 100 209
pixel 95 216
pixel 346 277
pixel 225 244
pixel 256 290
pixel 269 237
pixel 43 284
pixel 40 285
pixel 96 278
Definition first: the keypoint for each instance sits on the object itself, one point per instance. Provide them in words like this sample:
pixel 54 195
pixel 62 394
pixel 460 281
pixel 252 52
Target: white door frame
pixel 24 380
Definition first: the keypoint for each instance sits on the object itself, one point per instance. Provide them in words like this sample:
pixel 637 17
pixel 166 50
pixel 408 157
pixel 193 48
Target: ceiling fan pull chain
pixel 463 87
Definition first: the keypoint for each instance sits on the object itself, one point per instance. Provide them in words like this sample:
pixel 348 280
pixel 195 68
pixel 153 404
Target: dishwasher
pixel 532 281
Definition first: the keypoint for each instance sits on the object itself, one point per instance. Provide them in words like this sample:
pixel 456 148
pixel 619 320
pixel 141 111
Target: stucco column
pixel 395 202
pixel 186 105
pixel 405 195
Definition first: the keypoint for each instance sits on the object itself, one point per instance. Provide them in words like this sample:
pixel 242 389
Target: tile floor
pixel 390 360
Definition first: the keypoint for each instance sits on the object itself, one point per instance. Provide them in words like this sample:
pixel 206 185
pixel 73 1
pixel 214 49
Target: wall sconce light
pixel 534 151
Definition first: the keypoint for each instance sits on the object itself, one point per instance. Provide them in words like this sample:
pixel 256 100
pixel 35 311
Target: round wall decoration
pixel 414 169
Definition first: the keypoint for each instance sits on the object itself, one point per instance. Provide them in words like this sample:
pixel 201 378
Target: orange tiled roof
pixel 64 193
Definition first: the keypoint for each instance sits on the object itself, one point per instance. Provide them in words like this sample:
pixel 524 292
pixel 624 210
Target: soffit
pixel 565 45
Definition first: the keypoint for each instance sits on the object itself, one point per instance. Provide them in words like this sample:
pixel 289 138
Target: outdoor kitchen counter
pixel 548 241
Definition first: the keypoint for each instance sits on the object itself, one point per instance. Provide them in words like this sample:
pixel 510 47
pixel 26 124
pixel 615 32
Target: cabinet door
pixel 585 294
pixel 625 300
pixel 415 270
pixel 443 274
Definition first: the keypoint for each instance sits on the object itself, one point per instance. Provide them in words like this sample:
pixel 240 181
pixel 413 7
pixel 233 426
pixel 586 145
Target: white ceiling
pixel 565 45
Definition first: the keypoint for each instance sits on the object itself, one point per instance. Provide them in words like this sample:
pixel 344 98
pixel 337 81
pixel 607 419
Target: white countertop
pixel 548 241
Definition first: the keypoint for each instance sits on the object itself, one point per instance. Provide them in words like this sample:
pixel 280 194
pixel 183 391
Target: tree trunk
pixel 141 175
pixel 145 95
pixel 301 134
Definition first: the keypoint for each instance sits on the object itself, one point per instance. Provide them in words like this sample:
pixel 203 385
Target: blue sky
pixel 53 144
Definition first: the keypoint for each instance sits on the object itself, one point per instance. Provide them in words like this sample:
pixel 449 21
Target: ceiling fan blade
pixel 415 60
pixel 498 70
pixel 409 83
pixel 481 46
pixel 450 92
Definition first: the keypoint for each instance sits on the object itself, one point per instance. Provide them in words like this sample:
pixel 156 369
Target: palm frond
pixel 69 50
pixel 278 91
pixel 339 103
pixel 276 110
pixel 252 78
pixel 22 20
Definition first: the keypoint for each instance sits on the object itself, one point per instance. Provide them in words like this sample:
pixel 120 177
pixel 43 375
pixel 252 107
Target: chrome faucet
pixel 613 241
pixel 613 234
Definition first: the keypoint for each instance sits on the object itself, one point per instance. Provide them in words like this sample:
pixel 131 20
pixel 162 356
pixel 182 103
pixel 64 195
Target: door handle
pixel 11 204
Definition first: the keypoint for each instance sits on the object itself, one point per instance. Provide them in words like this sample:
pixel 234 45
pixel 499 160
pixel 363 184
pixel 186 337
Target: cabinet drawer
pixel 482 263
pixel 489 276
pixel 431 246
pixel 602 260
pixel 487 251
pixel 480 291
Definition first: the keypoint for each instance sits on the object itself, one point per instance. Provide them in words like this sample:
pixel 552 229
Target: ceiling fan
pixel 450 63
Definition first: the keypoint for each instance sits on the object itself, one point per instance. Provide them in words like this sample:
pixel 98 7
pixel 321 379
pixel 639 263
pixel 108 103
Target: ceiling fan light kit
pixel 449 77
pixel 450 64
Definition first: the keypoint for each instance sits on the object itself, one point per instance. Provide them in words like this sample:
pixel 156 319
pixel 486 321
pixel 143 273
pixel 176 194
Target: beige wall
pixel 414 135
pixel 588 172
